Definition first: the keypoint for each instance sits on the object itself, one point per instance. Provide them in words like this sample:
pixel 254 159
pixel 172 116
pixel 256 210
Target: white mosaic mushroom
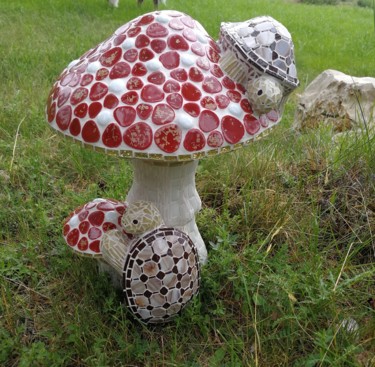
pixel 163 93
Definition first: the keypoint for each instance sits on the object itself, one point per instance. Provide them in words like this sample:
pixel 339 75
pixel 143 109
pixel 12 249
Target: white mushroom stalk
pixel 171 187
pixel 114 246
pixel 237 70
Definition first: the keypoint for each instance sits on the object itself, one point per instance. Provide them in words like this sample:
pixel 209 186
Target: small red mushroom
pixel 85 227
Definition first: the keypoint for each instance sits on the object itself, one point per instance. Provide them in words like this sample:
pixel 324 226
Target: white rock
pixel 337 99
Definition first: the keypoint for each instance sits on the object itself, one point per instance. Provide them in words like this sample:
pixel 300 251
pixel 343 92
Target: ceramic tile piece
pixel 233 129
pixel 194 140
pixel 162 114
pixel 179 74
pixel 130 98
pixel 171 86
pixel 252 124
pixel 75 127
pixel 156 77
pixel 152 94
pixel 125 115
pixel 177 42
pixel 190 92
pixel 138 136
pixel 158 45
pixel 131 55
pixel 209 103
pixel 195 75
pixel 112 136
pixel 192 109
pixel 168 138
pixel 156 30
pixel 208 121
pixel 175 100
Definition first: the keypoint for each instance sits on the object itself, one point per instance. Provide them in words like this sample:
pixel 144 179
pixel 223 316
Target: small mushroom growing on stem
pixel 161 92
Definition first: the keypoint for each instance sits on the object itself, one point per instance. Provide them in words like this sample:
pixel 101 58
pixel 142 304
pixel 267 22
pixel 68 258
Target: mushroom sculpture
pixel 161 92
pixel 158 265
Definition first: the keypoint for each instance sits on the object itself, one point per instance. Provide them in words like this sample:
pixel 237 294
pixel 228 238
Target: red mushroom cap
pixel 84 228
pixel 155 90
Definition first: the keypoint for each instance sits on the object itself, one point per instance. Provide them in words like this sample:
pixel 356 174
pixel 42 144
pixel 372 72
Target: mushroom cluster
pixel 163 93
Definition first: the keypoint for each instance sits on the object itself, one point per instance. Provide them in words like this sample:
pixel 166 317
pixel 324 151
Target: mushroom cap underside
pixel 155 90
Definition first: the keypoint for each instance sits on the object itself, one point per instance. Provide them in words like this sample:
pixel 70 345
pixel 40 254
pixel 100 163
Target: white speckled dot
pixel 94 67
pixel 117 86
pixel 235 109
pixel 104 117
pixel 128 43
pixel 162 18
pixel 187 60
pixel 184 121
pixel 111 217
pixel 202 38
pixel 98 200
pixel 153 65
pixel 74 221
pixel 73 63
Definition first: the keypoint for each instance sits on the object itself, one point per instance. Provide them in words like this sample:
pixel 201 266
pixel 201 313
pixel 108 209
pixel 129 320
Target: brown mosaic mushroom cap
pixel 265 43
pixel 161 275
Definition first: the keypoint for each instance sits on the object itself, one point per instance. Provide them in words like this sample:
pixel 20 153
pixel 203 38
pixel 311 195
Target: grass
pixel 289 221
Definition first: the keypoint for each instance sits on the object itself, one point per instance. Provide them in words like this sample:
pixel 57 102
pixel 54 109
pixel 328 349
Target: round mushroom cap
pixel 263 43
pixel 161 275
pixel 85 227
pixel 155 90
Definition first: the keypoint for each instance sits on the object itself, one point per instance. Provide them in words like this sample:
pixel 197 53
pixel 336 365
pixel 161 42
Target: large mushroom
pixel 163 93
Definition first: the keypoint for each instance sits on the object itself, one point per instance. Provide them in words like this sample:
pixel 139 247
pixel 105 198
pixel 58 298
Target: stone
pixel 334 98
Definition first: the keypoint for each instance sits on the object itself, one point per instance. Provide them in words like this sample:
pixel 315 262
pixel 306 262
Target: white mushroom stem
pixel 233 67
pixel 114 247
pixel 171 187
